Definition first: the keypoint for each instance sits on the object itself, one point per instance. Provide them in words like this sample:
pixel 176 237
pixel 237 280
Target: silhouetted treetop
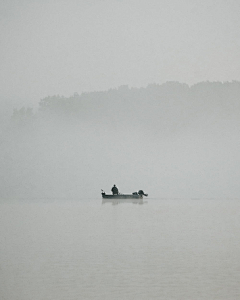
pixel 168 105
pixel 169 93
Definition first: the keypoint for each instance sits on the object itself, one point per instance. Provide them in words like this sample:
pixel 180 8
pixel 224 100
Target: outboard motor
pixel 141 192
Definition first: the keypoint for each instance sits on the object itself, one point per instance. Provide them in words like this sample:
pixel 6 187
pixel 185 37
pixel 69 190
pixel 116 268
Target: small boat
pixel 136 195
pixel 122 196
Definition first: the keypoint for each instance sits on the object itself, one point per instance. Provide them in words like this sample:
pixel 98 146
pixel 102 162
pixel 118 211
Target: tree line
pixel 154 105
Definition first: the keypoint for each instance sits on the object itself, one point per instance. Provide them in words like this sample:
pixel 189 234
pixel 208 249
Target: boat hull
pixel 122 196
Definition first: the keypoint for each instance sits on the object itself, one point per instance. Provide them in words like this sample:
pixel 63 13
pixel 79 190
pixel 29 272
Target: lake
pixel 85 249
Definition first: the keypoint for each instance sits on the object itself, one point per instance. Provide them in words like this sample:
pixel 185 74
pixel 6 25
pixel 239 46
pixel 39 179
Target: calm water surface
pixel 163 249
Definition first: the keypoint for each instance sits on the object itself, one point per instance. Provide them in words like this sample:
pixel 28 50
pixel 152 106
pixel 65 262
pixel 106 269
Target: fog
pixel 129 121
pixel 58 47
pixel 171 140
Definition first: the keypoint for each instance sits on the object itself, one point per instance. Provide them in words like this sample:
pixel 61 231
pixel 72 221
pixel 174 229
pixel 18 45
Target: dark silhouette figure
pixel 141 192
pixel 114 190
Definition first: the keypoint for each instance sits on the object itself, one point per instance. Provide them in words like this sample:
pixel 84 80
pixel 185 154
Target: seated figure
pixel 114 190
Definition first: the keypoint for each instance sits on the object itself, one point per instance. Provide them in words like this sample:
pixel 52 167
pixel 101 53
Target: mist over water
pixel 179 142
pixel 170 140
pixel 59 241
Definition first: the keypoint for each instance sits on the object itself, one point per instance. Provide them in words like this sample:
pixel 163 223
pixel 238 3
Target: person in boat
pixel 114 190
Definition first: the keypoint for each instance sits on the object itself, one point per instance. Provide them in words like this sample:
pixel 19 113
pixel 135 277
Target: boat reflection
pixel 120 201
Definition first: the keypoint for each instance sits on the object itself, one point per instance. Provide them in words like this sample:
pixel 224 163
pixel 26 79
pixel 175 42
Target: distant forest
pixel 156 104
pixel 171 139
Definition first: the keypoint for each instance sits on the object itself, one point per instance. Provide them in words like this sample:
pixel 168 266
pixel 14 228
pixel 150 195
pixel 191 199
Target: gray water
pixel 84 249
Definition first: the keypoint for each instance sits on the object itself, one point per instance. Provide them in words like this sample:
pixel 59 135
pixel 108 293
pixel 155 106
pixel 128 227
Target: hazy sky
pixel 62 47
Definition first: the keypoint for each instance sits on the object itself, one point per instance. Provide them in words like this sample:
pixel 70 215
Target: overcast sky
pixel 62 47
